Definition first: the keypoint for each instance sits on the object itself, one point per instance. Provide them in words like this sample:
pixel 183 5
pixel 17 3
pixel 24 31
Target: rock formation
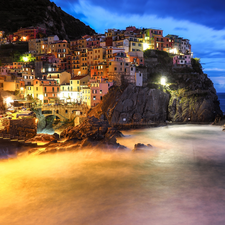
pixel 93 133
pixel 134 104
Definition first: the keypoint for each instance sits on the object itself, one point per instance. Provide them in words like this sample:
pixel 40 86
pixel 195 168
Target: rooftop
pixel 78 77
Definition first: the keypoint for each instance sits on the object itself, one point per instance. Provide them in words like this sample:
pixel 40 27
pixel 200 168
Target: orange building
pixel 60 49
pixel 46 91
pixel 163 43
pixel 98 71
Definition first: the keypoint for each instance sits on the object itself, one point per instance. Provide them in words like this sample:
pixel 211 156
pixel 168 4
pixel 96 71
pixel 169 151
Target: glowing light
pixel 8 100
pixel 41 97
pixel 36 120
pixel 25 59
pixel 24 38
pixel 173 51
pixel 145 46
pixel 21 88
pixel 61 95
pixel 163 80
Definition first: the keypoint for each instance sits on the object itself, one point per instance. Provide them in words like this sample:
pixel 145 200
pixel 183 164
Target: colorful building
pixel 46 91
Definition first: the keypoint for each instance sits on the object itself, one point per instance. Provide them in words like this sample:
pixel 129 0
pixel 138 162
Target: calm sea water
pixel 221 97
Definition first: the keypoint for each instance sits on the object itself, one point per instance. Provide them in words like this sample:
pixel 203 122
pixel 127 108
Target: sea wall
pixel 20 128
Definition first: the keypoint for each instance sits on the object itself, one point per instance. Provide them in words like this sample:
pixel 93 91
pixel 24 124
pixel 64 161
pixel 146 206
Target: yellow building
pixel 29 90
pixel 95 55
pixel 86 96
pixel 77 82
pixel 68 95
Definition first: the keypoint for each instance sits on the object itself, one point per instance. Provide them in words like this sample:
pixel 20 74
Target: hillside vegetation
pixel 15 14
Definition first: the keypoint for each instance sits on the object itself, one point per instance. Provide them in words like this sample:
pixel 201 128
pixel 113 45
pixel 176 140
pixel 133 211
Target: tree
pixel 196 65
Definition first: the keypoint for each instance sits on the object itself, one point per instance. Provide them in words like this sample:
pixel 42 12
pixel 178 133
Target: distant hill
pixel 15 14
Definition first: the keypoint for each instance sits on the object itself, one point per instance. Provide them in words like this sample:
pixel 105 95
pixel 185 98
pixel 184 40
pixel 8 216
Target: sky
pixel 200 21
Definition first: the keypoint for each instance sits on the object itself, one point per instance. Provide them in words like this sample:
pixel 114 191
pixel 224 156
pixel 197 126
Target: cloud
pixel 214 69
pixel 197 11
pixel 180 28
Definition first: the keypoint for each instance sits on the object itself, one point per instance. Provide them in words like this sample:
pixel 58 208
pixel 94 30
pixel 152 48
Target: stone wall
pixel 22 128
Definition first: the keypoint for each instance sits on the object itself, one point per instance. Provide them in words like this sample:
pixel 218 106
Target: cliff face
pixel 140 105
pixel 195 98
pixel 15 14
pixel 134 104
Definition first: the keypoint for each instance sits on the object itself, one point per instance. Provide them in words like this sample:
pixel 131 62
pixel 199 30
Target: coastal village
pixel 81 71
pixel 67 78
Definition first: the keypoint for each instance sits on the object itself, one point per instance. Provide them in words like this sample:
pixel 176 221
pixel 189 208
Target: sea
pixel 221 97
pixel 179 180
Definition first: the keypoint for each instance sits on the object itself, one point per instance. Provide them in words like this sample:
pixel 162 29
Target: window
pixel 29 88
pixel 94 98
pixel 78 82
pixel 36 88
pixel 53 89
pixel 115 68
pixel 133 44
pixel 100 91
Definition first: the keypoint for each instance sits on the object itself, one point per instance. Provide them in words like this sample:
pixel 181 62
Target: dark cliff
pixel 15 14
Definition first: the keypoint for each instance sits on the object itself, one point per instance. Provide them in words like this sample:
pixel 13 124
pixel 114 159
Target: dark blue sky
pixel 201 21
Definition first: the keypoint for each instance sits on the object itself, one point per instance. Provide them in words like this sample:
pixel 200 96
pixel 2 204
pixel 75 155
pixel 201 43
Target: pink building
pixel 131 28
pixel 98 90
pixel 182 61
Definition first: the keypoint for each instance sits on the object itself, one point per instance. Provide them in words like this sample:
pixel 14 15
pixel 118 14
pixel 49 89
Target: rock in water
pixel 142 147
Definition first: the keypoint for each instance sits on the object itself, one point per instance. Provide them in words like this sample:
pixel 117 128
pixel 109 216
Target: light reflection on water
pixel 180 181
